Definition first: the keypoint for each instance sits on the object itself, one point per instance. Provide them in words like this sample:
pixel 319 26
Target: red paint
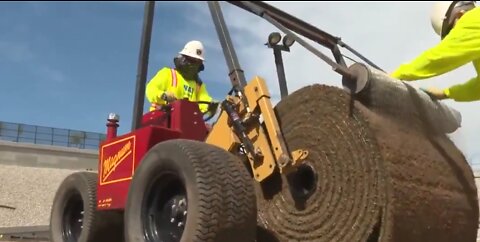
pixel 125 152
pixel 187 118
pixel 157 118
pixel 112 129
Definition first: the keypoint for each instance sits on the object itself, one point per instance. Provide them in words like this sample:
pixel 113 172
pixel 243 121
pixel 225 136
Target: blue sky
pixel 69 64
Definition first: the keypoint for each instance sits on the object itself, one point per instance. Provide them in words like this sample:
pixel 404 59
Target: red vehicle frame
pixel 120 155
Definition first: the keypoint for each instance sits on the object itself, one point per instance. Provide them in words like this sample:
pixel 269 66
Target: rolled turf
pixel 369 176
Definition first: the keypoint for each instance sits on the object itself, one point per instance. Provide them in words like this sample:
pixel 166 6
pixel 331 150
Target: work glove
pixel 168 97
pixel 434 93
pixel 213 106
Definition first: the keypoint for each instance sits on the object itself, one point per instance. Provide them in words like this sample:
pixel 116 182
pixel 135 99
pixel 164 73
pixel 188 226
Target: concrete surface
pixel 30 175
pixel 26 194
pixel 34 155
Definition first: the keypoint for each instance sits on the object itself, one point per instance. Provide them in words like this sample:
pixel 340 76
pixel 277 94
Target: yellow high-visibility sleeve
pixel 468 91
pixel 459 47
pixel 159 84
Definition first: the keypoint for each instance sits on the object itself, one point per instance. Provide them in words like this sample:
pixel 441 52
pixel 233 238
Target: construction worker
pixel 181 82
pixel 458 24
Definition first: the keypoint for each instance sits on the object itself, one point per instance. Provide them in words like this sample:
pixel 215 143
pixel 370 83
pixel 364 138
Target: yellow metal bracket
pixel 269 146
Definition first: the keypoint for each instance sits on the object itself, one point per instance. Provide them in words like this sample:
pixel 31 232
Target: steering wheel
pixel 212 106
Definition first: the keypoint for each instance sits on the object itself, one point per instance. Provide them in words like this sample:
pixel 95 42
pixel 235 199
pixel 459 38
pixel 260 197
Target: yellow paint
pixel 105 203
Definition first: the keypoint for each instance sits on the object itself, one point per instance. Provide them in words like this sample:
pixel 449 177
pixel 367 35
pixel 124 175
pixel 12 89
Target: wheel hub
pixel 73 218
pixel 166 210
pixel 178 212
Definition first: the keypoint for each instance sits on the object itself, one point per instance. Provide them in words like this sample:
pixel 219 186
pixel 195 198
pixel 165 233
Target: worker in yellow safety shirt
pixel 458 24
pixel 181 82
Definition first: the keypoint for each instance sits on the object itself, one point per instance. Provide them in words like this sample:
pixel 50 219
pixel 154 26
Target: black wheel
pixel 190 191
pixel 74 216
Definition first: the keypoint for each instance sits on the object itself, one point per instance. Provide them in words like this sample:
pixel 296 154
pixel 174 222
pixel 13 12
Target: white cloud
pixel 21 52
pixel 361 25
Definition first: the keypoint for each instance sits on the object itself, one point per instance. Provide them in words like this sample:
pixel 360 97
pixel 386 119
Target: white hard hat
pixel 193 49
pixel 437 16
pixel 439 13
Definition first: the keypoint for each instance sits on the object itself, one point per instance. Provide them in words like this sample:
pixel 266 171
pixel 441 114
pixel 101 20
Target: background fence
pixel 24 133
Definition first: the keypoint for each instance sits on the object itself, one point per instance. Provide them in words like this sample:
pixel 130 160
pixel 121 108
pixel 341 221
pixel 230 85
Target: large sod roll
pixel 368 177
pixel 394 98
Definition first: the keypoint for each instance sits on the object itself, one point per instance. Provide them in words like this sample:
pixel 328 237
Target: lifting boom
pixel 282 20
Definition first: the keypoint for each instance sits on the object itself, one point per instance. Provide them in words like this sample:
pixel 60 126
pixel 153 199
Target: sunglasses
pixel 192 60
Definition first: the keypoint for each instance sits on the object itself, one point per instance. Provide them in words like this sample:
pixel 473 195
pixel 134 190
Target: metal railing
pixel 24 133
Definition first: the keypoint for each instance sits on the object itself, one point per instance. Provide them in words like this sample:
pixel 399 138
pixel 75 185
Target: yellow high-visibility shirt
pixel 168 79
pixel 459 47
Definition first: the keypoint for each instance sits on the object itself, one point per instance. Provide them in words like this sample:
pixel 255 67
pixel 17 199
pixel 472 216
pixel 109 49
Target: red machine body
pixel 120 155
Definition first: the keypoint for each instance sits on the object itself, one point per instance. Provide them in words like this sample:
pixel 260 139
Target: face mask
pixel 188 70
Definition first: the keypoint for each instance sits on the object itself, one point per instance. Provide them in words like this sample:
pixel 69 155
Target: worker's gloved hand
pixel 213 106
pixel 168 97
pixel 435 93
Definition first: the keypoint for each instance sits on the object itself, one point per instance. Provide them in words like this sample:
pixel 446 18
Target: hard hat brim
pixel 193 56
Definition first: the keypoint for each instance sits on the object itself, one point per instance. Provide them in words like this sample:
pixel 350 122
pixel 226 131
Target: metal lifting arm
pixel 237 78
pixel 239 122
pixel 235 72
pixel 342 70
pixel 143 64
pixel 288 22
